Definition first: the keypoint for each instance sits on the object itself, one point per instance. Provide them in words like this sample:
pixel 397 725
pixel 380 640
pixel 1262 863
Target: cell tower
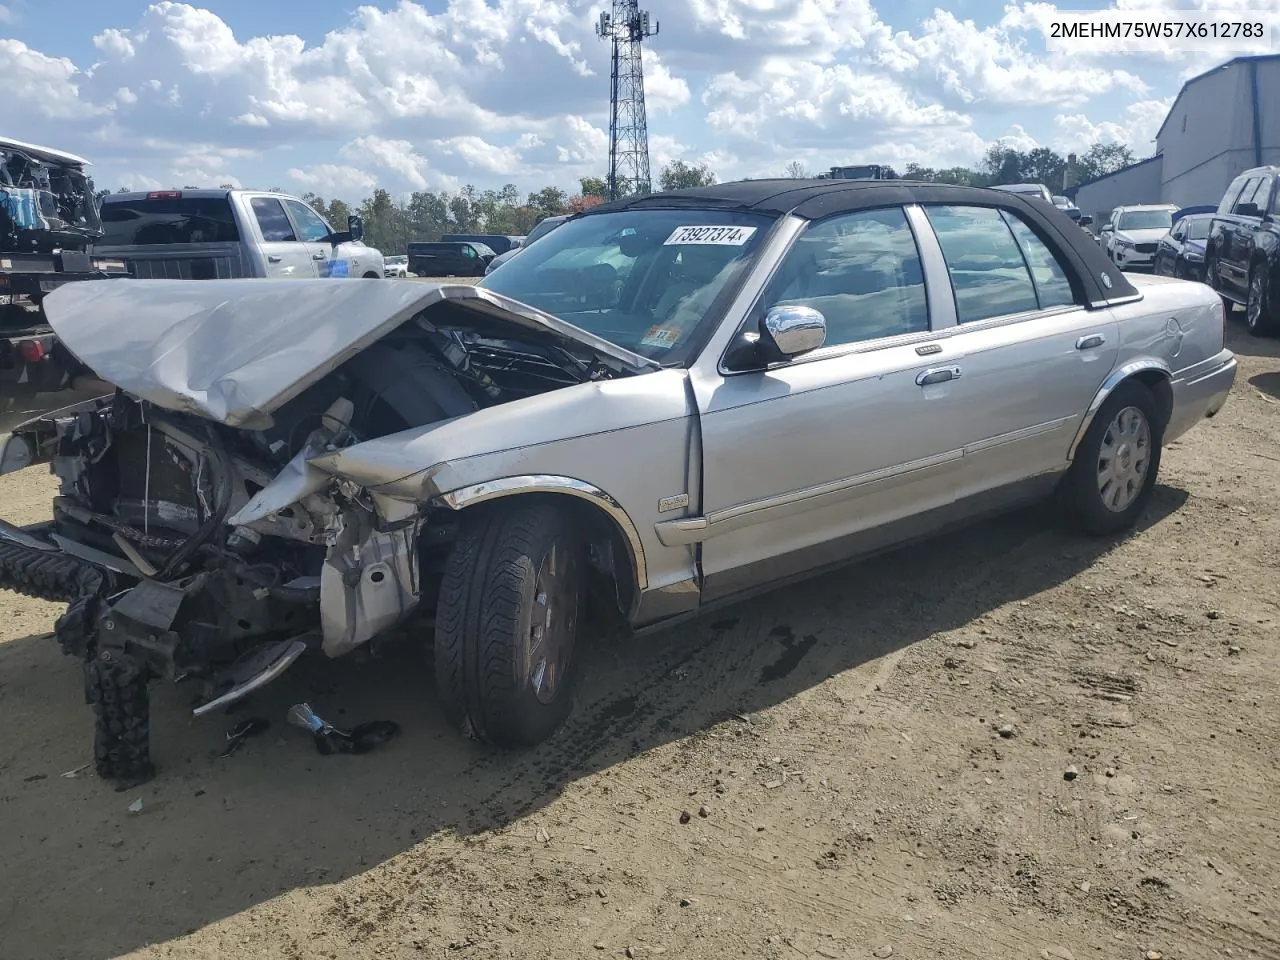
pixel 627 26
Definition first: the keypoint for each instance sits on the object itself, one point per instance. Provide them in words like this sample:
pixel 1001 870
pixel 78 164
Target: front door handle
pixel 273 259
pixel 937 375
pixel 1091 341
pixel 319 256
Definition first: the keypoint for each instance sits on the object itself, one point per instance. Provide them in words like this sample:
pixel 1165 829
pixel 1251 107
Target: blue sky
pixel 339 98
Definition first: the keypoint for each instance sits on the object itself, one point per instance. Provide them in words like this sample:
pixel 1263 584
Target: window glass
pixel 164 220
pixel 310 225
pixel 468 251
pixel 1246 195
pixel 649 280
pixel 861 271
pixel 1053 288
pixel 988 274
pixel 1229 198
pixel 271 219
pixel 1197 229
pixel 1145 220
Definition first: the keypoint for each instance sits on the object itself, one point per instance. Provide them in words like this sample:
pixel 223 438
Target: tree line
pixel 391 224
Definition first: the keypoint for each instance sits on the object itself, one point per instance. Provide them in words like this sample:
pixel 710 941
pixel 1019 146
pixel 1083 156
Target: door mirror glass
pixel 789 331
pixel 355 227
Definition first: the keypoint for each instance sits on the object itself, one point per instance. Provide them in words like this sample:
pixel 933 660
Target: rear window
pixel 144 222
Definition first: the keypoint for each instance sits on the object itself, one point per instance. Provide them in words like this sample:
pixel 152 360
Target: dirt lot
pixel 820 773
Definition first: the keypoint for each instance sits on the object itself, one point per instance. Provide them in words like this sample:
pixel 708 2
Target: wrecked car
pixel 666 404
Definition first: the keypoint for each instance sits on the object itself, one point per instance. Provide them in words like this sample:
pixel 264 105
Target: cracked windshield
pixel 644 280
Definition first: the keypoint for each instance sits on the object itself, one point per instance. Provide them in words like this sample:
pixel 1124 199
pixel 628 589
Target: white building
pixel 1221 123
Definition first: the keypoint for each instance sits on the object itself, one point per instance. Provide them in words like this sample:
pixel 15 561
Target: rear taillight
pixel 32 351
pixel 165 195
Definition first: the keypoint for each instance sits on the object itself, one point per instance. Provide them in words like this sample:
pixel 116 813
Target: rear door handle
pixel 937 375
pixel 1091 341
pixel 273 259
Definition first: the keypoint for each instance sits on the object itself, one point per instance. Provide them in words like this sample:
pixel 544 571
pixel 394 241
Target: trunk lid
pixel 234 351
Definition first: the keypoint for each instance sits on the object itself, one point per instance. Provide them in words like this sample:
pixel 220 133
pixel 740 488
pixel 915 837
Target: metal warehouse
pixel 1221 123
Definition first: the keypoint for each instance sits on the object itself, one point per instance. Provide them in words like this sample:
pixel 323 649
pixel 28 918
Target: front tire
pixel 1260 314
pixel 507 621
pixel 1114 471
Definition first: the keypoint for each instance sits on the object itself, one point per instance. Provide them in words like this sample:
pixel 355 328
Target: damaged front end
pixel 192 550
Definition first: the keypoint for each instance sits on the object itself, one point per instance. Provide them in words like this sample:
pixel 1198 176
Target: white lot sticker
pixel 714 236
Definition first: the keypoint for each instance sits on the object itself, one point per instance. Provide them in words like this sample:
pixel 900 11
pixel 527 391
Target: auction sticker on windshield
pixel 715 236
pixel 664 338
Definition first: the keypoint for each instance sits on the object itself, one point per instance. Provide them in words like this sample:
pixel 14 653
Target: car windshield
pixel 1198 229
pixel 1146 220
pixel 645 280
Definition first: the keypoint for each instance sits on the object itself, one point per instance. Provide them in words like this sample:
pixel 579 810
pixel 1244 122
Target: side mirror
pixel 787 332
pixel 355 227
pixel 1085 221
pixel 1107 228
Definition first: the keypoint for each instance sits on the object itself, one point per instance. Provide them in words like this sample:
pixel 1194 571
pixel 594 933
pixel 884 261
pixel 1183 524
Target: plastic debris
pixel 72 774
pixel 136 806
pixel 242 731
pixel 329 739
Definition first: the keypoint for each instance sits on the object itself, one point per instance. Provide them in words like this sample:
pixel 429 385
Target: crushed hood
pixel 235 351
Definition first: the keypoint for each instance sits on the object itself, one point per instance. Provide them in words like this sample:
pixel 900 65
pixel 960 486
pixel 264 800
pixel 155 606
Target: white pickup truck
pixel 223 234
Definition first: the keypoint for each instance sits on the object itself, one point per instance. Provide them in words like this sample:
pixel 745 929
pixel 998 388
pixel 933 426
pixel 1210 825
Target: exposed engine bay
pixel 45 204
pixel 192 550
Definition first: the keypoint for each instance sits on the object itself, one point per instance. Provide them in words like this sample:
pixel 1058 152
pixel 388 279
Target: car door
pixel 313 232
pixel 1237 241
pixel 285 257
pixel 808 461
pixel 1032 355
pixel 1166 259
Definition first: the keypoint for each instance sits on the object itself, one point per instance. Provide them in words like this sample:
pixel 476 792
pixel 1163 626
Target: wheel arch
pixel 1152 374
pixel 603 514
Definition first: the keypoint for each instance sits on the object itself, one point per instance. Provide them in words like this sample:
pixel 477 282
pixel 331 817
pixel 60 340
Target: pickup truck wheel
pixel 1260 315
pixel 507 622
pixel 1114 471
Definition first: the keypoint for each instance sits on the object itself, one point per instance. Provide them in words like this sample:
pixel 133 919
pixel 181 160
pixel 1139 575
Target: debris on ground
pixel 242 731
pixel 329 739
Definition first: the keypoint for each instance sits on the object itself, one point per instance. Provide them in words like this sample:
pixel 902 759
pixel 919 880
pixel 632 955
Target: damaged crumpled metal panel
pixel 234 351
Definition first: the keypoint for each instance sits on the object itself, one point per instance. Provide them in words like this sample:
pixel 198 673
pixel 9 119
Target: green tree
pixel 797 171
pixel 1104 158
pixel 679 175
pixel 549 202
pixel 594 187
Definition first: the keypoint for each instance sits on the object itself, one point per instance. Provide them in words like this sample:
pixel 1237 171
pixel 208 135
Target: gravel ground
pixel 1009 743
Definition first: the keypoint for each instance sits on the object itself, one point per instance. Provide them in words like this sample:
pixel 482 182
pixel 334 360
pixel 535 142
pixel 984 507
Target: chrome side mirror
pixel 787 332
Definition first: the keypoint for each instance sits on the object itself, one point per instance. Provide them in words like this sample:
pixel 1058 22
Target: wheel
pixel 1114 471
pixel 507 623
pixel 1260 315
pixel 371 276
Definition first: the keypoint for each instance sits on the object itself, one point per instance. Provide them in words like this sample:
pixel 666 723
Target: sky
pixel 337 99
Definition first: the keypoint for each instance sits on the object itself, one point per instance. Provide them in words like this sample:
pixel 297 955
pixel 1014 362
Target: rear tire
pixel 507 623
pixel 1260 314
pixel 1114 472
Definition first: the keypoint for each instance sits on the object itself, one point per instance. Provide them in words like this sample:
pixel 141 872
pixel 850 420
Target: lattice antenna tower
pixel 627 27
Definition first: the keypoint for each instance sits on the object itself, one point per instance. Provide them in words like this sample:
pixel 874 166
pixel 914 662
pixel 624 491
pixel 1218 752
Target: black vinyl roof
pixel 815 199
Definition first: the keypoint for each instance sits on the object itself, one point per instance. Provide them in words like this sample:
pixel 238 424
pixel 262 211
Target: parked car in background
pixel 1035 191
pixel 449 259
pixel 1066 206
pixel 397 266
pixel 544 226
pixel 669 403
pixel 497 242
pixel 1130 236
pixel 1243 250
pixel 1180 252
pixel 226 234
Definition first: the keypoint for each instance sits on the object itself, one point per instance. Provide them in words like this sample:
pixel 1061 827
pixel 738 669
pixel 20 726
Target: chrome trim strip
pixel 1026 433
pixel 938 292
pixel 548 483
pixel 676 533
pixel 1113 380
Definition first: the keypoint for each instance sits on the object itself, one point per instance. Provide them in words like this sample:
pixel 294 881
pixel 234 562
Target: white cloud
pixel 395 155
pixel 329 178
pixel 413 96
